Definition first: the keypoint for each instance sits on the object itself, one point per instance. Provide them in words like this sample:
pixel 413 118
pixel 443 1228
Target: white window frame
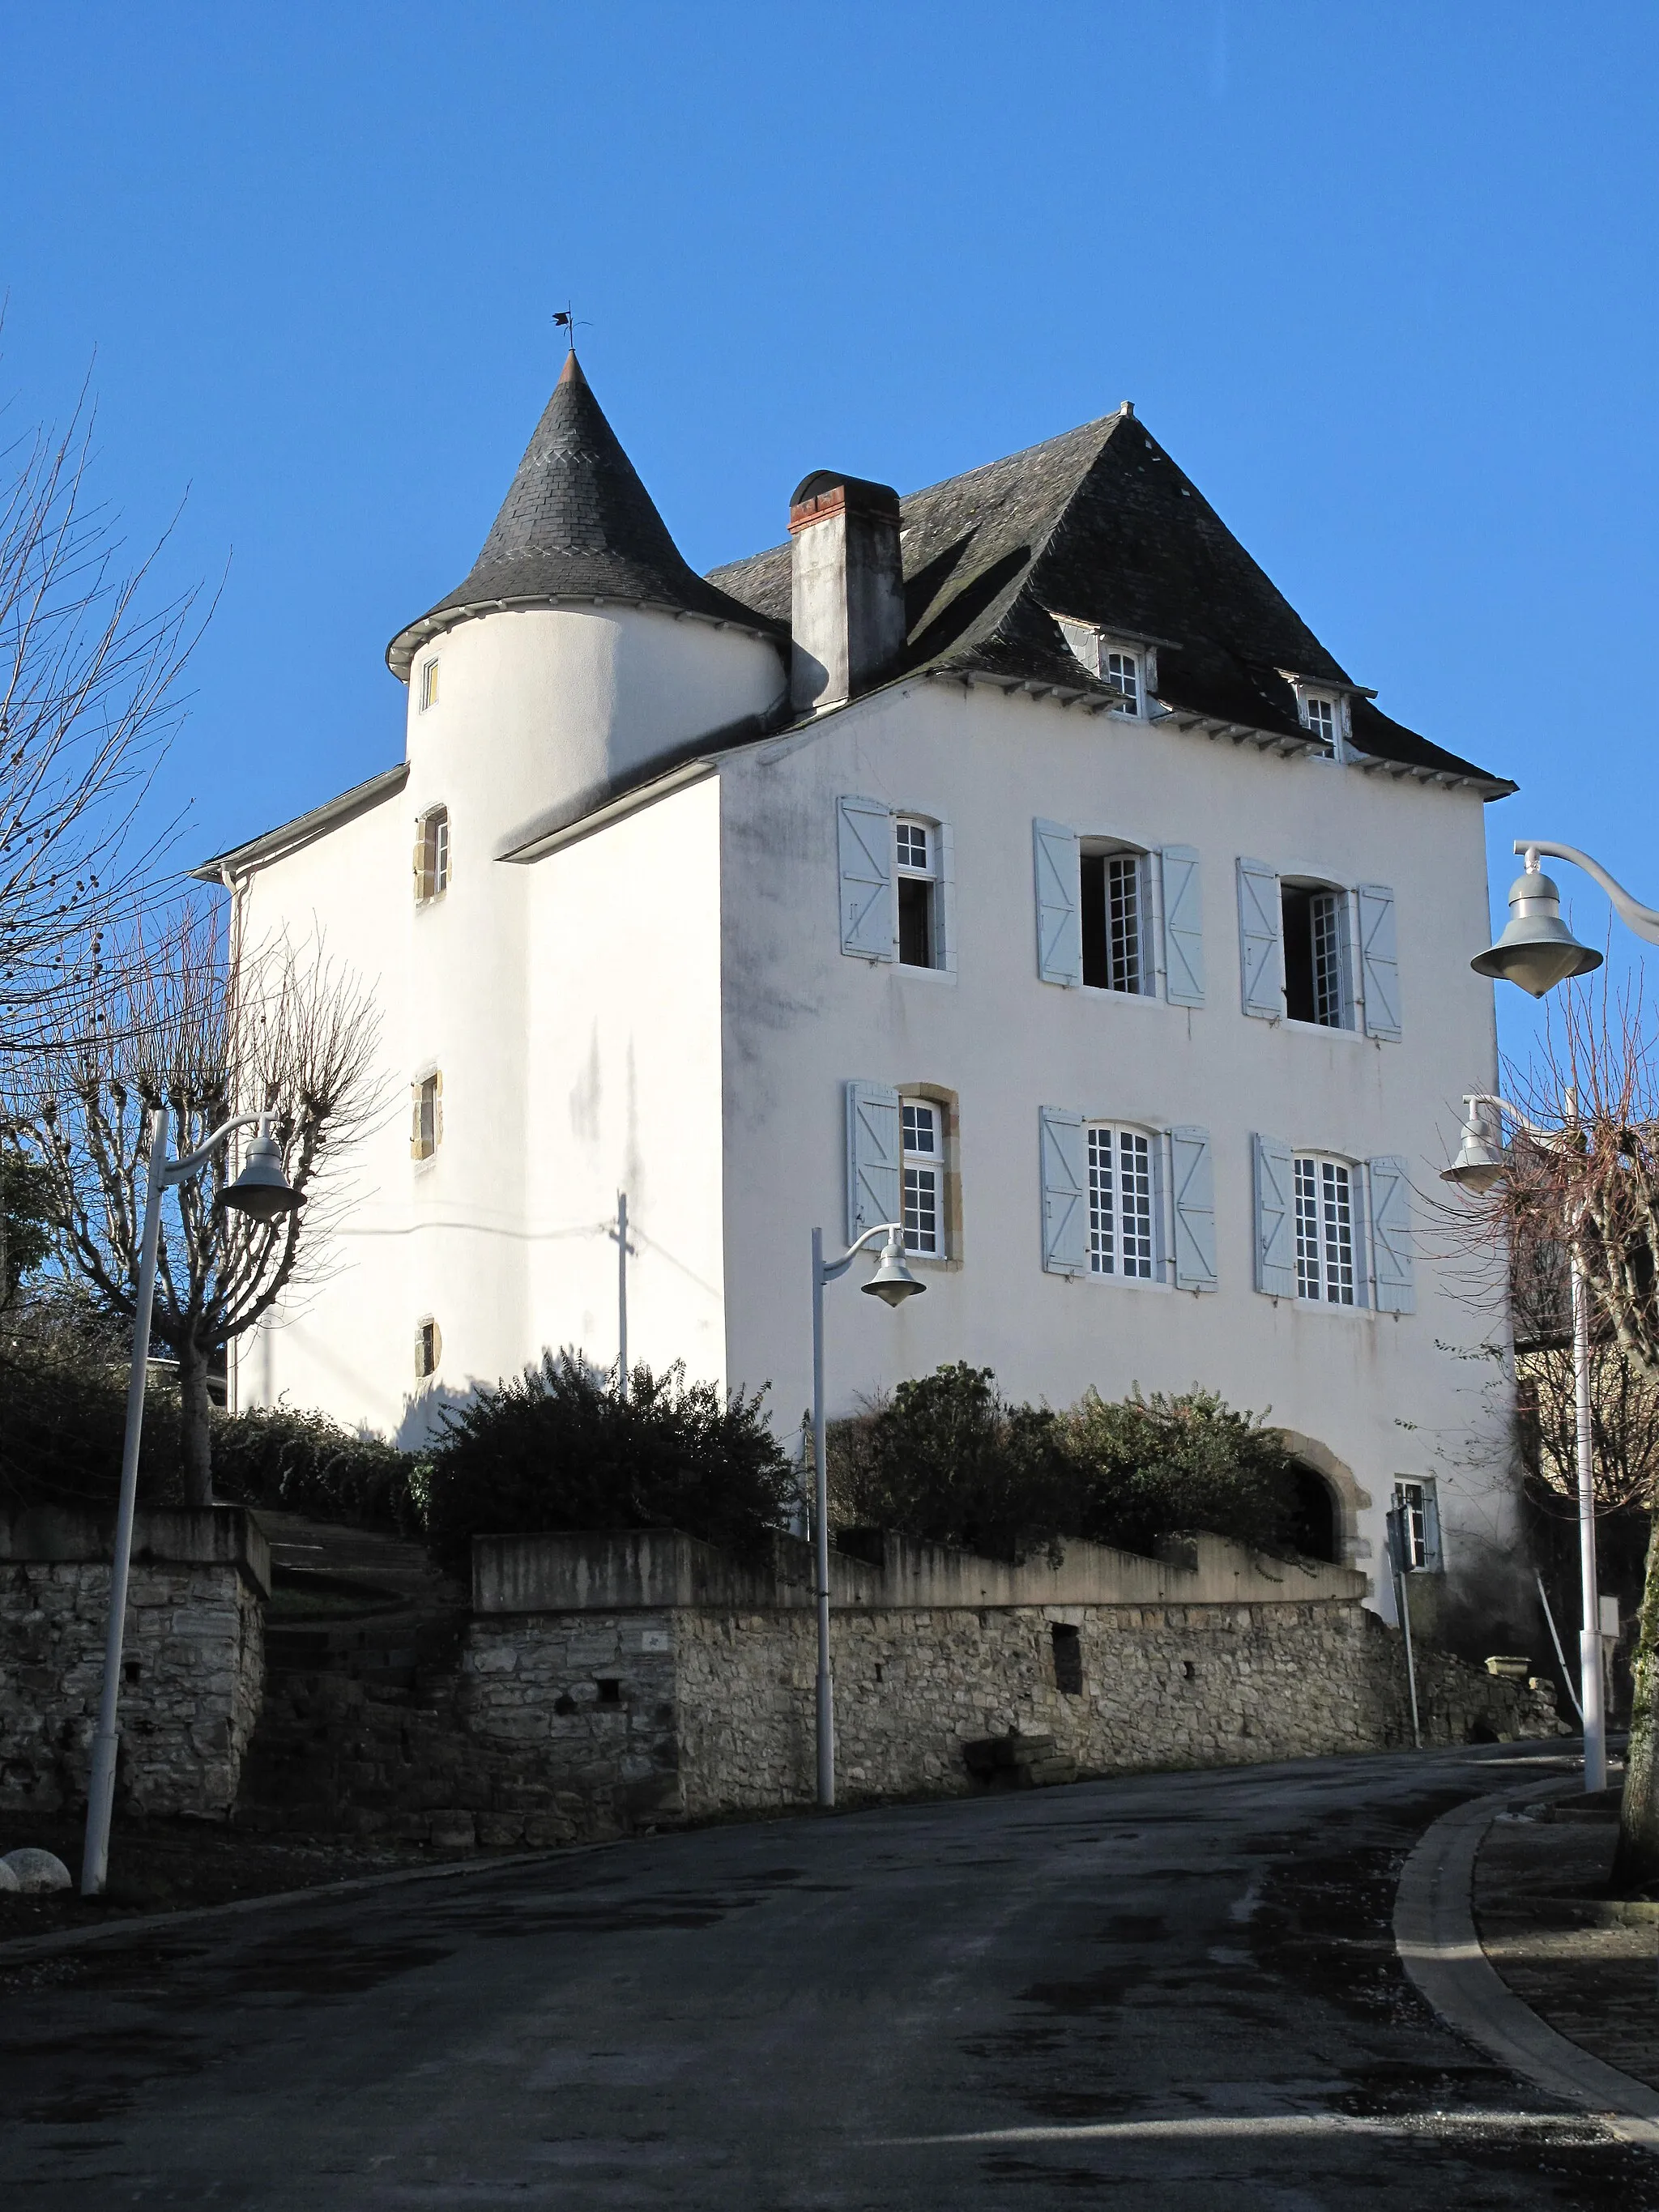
pixel 431 883
pixel 1151 900
pixel 1093 647
pixel 1341 703
pixel 429 683
pixel 934 876
pixel 929 1163
pixel 1316 1265
pixel 1341 914
pixel 1417 1501
pixel 1155 1144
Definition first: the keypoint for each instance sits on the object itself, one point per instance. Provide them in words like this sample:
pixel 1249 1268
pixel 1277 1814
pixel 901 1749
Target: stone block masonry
pixel 192 1665
pixel 639 1678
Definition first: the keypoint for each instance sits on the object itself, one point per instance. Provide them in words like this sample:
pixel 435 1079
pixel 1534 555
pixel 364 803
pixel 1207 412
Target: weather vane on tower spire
pixel 565 319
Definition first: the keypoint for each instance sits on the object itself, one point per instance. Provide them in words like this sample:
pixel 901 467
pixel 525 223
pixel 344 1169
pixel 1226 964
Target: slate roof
pixel 1100 524
pixel 576 523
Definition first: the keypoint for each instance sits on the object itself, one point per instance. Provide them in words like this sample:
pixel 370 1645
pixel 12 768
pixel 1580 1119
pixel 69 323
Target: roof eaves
pixel 304 829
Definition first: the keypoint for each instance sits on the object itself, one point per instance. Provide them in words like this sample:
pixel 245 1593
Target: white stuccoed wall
pixel 801 1018
pixel 563 1004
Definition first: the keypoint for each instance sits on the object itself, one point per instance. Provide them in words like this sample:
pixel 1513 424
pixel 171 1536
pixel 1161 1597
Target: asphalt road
pixel 1178 1990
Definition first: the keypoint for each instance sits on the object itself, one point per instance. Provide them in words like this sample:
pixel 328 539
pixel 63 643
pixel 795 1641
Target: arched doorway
pixel 1314 1527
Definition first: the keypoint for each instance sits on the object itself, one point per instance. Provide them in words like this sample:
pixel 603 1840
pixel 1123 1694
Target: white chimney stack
pixel 847 589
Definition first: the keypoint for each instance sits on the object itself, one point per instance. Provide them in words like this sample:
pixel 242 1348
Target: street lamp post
pixel 1480 1163
pixel 892 1283
pixel 262 1192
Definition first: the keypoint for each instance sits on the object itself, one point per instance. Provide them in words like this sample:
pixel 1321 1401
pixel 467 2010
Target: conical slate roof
pixel 576 523
pixel 1100 524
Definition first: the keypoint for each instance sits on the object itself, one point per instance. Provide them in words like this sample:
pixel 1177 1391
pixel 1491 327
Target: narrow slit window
pixel 923 1166
pixel 1121 1219
pixel 1325 1232
pixel 915 856
pixel 427 1129
pixel 428 684
pixel 1114 902
pixel 428 1348
pixel 1068 1659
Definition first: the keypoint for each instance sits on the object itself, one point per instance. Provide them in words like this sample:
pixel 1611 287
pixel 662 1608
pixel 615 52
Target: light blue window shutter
pixel 1059 904
pixel 874 1157
pixel 1275 1218
pixel 1183 928
pixel 1260 952
pixel 1195 1209
pixel 1433 1556
pixel 1379 960
pixel 1065 1196
pixel 1391 1237
pixel 864 840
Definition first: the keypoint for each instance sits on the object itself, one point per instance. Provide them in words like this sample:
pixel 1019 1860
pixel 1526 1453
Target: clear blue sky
pixel 1381 278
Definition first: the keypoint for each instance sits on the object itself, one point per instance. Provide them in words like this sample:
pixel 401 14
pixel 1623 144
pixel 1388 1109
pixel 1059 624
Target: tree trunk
pixel 195 1433
pixel 1636 1867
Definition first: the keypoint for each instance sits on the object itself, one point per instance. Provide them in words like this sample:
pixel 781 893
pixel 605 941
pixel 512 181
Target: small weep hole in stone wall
pixel 1068 1659
pixel 610 1690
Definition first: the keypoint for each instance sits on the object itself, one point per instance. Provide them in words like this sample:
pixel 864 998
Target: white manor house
pixel 1009 856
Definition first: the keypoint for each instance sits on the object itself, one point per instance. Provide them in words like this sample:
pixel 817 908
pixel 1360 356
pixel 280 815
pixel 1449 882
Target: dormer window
pixel 1321 718
pixel 1323 713
pixel 1127 665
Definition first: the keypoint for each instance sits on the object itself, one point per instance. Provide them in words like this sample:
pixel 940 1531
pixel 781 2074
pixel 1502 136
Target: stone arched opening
pixel 1329 1502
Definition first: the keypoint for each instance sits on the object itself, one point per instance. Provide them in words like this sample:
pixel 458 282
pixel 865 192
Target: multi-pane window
pixel 1114 888
pixel 432 855
pixel 1316 924
pixel 1120 1218
pixel 428 684
pixel 1322 720
pixel 427 1116
pixel 1123 672
pixel 428 1348
pixel 1325 1231
pixel 923 1178
pixel 915 857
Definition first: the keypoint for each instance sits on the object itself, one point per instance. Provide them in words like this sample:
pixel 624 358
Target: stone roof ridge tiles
pixel 1102 525
pixel 577 523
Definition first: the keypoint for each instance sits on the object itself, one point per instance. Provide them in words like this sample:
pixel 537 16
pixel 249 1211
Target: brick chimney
pixel 847 589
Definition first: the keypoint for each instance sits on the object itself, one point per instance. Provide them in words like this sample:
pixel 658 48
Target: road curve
pixel 1174 1991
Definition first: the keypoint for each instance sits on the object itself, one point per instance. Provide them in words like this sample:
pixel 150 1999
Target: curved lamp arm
pixel 1642 920
pixel 1473 1098
pixel 833 1269
pixel 178 1171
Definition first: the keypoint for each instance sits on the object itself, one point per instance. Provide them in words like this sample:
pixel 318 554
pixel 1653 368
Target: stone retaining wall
pixel 193 1659
pixel 665 1696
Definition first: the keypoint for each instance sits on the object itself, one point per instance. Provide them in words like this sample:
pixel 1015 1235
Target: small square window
pixel 1322 719
pixel 428 684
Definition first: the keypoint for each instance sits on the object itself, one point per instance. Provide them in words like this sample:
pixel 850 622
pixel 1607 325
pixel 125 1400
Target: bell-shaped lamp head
pixel 261 1191
pixel 1480 1163
pixel 1537 950
pixel 892 1281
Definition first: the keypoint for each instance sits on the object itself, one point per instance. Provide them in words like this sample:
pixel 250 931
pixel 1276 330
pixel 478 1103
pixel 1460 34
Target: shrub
pixel 556 1449
pixel 63 1391
pixel 948 1460
pixel 304 1462
pixel 1152 1468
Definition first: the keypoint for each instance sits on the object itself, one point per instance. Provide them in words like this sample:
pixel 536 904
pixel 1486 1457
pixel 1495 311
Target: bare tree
pixel 88 700
pixel 167 1013
pixel 1623 1397
pixel 1593 1195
